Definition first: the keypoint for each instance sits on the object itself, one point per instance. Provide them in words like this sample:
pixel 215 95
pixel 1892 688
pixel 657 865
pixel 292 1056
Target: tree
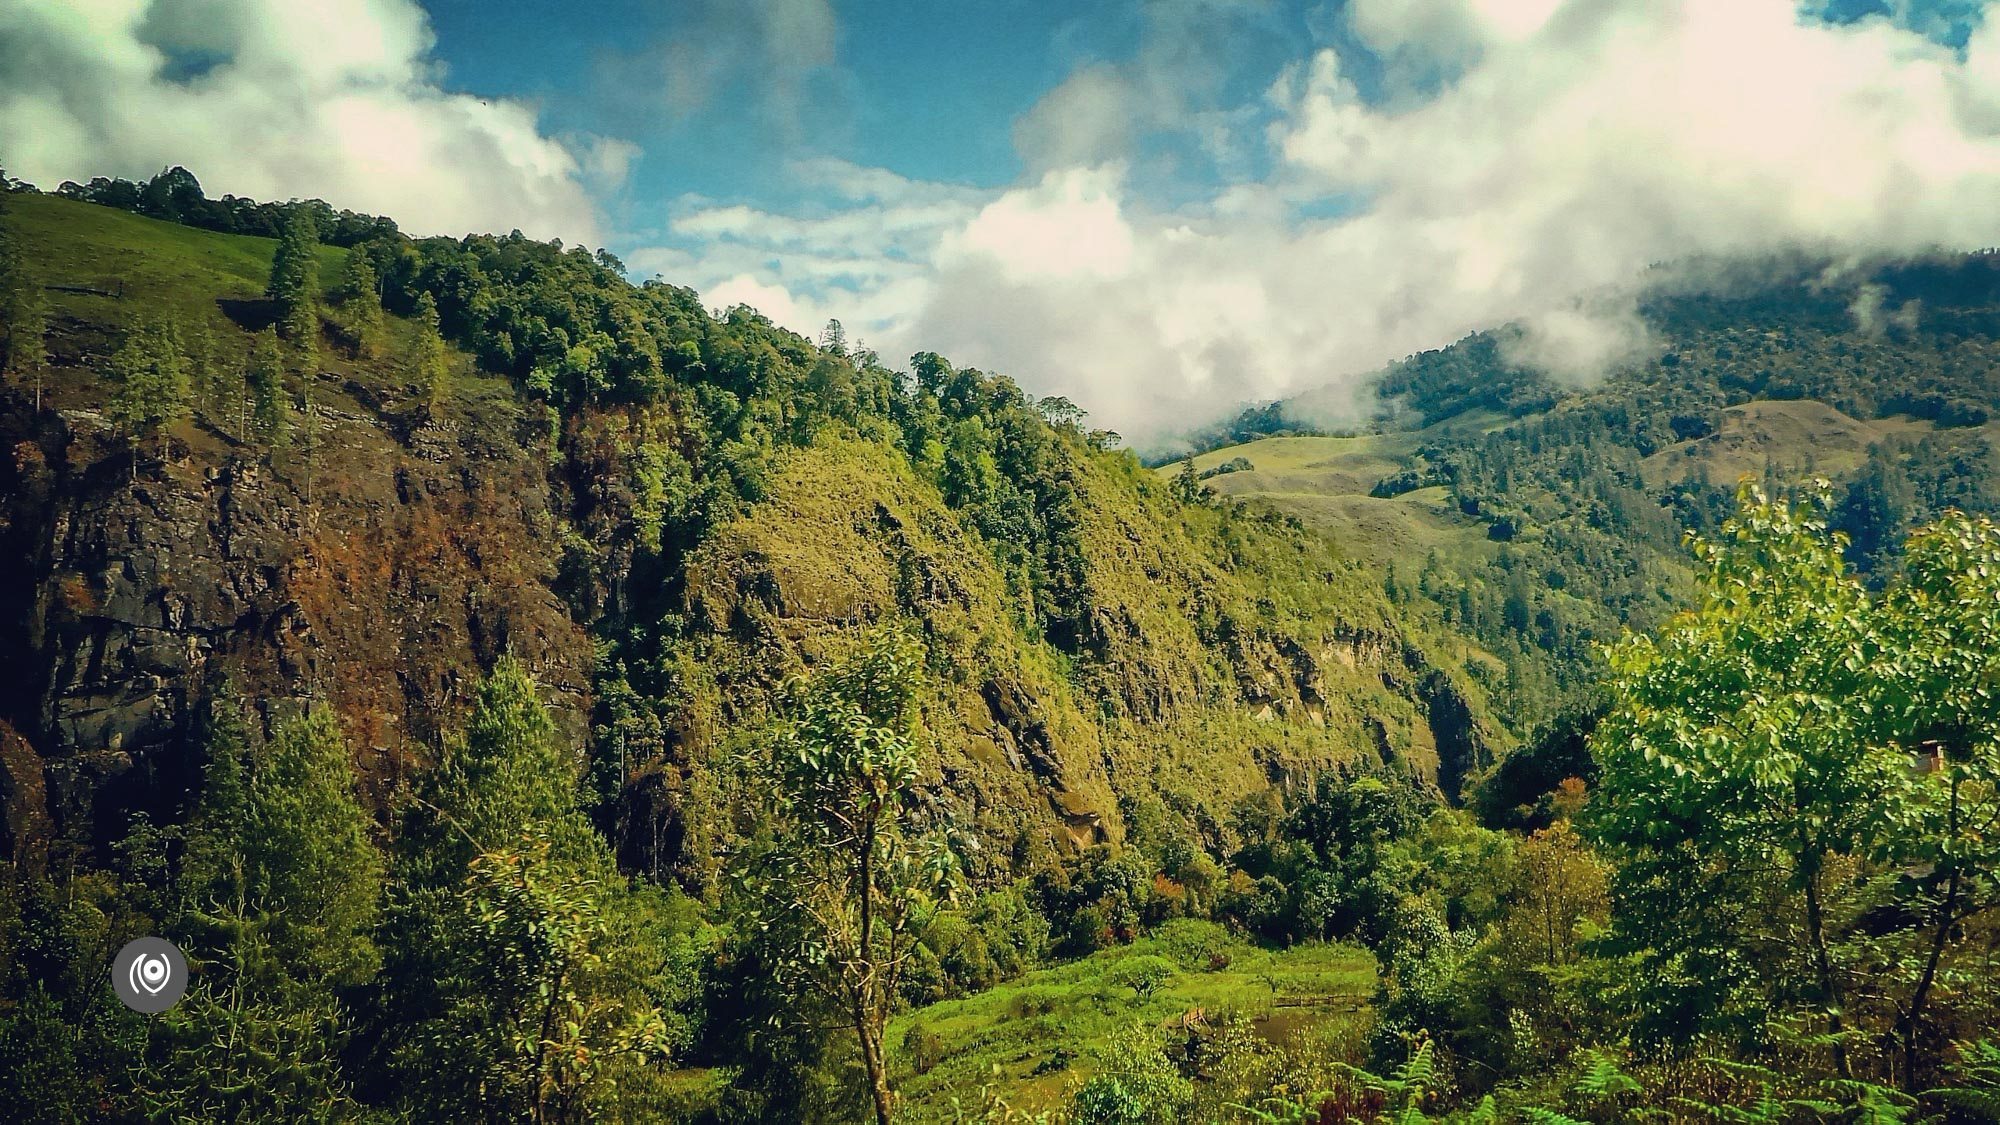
pixel 528 978
pixel 280 888
pixel 312 431
pixel 151 384
pixel 1559 884
pixel 432 368
pixel 24 336
pixel 1940 676
pixel 361 301
pixel 269 412
pixel 834 338
pixel 1188 488
pixel 1800 756
pixel 846 889
pixel 1735 772
pixel 294 282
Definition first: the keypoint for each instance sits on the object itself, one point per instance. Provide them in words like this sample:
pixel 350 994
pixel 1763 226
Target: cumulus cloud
pixel 1554 152
pixel 277 100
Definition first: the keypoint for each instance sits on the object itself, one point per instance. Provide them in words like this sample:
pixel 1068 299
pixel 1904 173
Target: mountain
pixel 530 695
pixel 658 557
pixel 1543 518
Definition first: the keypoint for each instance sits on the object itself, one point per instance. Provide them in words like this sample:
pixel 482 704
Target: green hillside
pixel 526 695
pixel 660 525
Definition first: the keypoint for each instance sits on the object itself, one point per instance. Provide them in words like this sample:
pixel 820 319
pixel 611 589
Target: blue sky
pixel 1163 209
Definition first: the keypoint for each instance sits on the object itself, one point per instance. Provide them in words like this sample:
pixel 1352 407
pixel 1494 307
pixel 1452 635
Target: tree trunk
pixel 1947 916
pixel 868 1006
pixel 1829 987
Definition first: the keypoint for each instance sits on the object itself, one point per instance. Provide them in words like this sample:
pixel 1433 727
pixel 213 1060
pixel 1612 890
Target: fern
pixel 1977 1088
pixel 1601 1078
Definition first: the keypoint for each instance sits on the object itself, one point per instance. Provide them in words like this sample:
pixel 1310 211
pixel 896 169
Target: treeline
pixel 176 196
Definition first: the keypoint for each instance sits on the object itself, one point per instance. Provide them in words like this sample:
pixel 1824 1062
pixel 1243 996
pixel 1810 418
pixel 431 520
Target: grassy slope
pixel 1799 436
pixel 1077 1012
pixel 165 267
pixel 197 279
pixel 1324 481
pixel 848 534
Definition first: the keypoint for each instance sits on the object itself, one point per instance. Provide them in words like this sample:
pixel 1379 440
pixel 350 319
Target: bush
pixel 1144 974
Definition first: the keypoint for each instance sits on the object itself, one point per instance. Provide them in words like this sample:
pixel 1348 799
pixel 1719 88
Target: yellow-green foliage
pixel 1236 649
pixel 1035 1039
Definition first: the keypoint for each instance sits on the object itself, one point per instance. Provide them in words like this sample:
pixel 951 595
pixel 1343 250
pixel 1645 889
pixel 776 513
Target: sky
pixel 1162 209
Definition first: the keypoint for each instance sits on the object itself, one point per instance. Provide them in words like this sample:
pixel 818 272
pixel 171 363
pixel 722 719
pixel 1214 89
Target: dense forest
pixel 528 695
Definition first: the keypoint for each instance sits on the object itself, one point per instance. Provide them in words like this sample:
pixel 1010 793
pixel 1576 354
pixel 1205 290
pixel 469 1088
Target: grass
pixel 105 268
pixel 1800 436
pixel 1034 1039
pixel 1325 481
pixel 158 266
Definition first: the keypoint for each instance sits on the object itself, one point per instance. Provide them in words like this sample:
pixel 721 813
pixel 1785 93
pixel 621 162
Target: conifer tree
pixel 361 301
pixel 150 371
pixel 312 433
pixel 269 413
pixel 24 316
pixel 527 964
pixel 433 371
pixel 280 886
pixel 294 283
pixel 198 344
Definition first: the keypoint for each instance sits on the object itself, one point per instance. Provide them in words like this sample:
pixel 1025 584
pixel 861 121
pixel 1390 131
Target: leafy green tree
pixel 294 282
pixel 1736 771
pixel 1940 697
pixel 1800 756
pixel 150 390
pixel 845 892
pixel 528 979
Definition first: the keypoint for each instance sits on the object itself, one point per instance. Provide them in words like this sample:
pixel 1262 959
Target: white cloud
pixel 1552 154
pixel 275 100
pixel 1068 226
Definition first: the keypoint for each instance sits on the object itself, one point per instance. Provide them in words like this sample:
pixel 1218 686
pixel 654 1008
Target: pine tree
pixel 27 330
pixel 24 336
pixel 150 369
pixel 294 283
pixel 269 413
pixel 281 885
pixel 198 344
pixel 361 301
pixel 311 433
pixel 433 369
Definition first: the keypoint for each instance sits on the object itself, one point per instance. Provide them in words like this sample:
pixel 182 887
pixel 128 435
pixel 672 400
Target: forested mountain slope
pixel 661 515
pixel 526 695
pixel 1542 518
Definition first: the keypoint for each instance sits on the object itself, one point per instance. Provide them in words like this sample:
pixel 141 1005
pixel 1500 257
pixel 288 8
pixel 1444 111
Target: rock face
pixel 370 575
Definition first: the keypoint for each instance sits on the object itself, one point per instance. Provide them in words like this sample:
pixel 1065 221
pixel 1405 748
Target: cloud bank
pixel 1512 160
pixel 272 99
